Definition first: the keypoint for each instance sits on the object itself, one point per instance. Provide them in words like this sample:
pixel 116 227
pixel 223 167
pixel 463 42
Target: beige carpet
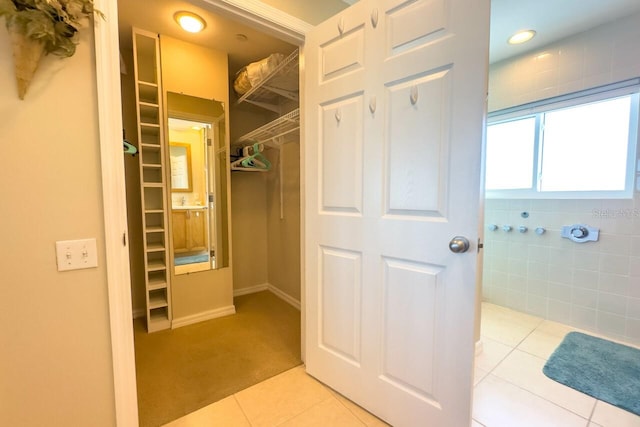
pixel 182 370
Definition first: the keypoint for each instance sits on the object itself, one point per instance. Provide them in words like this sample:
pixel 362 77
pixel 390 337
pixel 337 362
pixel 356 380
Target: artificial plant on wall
pixel 39 27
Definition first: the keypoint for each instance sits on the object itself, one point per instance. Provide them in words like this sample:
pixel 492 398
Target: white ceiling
pixel 220 33
pixel 552 19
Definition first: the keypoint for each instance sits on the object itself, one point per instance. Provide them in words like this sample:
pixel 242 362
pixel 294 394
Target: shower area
pixel 590 278
pixel 593 286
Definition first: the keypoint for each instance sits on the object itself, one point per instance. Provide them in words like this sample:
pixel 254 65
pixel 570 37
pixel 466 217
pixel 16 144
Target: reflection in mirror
pixel 180 159
pixel 197 148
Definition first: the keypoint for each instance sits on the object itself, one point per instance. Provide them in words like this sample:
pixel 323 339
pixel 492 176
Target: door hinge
pixel 209 143
pixel 480 245
pixel 124 239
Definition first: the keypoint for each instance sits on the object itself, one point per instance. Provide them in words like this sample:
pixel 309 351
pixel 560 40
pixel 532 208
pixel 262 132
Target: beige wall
pixel 196 82
pixel 249 207
pixel 311 11
pixel 55 362
pixel 249 233
pixel 272 251
pixel 194 70
pixel 284 233
pixel 201 72
pixel 266 248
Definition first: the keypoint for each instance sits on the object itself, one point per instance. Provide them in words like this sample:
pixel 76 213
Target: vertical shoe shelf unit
pixel 152 179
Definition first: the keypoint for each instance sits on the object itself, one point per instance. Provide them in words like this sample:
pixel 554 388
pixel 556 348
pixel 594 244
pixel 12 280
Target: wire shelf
pixel 282 82
pixel 275 132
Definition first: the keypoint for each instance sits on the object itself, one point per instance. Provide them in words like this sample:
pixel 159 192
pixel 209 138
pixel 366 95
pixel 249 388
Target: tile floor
pixel 510 389
pixel 291 399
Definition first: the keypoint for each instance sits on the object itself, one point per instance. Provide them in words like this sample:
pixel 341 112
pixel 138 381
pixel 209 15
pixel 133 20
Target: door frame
pixel 107 56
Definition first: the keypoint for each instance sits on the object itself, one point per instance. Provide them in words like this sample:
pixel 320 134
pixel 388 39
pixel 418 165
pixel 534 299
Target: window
pixel 578 146
pixel 511 154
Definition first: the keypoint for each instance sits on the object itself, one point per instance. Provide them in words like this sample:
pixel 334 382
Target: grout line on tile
pixel 306 410
pixel 335 396
pixel 242 409
pixel 478 422
pixel 498 364
pixel 544 398
pixel 529 334
pixel 593 410
pixel 490 371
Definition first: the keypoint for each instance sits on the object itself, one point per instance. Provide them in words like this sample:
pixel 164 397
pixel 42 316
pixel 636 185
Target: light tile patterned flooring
pixel 510 389
pixel 291 399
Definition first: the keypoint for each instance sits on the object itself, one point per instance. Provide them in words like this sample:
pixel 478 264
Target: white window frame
pixel 602 93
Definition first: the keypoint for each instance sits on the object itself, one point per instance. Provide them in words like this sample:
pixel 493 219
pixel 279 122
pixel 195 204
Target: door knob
pixel 459 244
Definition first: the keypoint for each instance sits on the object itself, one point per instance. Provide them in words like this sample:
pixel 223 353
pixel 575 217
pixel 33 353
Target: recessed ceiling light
pixel 190 21
pixel 521 37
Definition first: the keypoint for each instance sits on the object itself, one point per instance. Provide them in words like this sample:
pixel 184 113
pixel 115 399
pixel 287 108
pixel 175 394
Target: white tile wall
pixel 607 54
pixel 594 286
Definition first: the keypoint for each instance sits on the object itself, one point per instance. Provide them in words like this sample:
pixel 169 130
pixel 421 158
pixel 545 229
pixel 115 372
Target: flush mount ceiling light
pixel 190 21
pixel 521 37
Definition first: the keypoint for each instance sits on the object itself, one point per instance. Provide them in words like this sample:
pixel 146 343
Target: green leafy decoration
pixel 54 22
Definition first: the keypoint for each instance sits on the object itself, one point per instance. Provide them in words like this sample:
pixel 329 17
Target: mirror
pixel 198 167
pixel 180 160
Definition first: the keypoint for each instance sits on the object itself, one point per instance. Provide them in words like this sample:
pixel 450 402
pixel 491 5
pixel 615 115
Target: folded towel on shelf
pixel 253 73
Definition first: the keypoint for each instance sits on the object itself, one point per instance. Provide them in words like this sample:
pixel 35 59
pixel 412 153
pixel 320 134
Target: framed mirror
pixel 199 183
pixel 180 161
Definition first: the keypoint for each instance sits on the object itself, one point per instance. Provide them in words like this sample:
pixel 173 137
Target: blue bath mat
pixel 191 259
pixel 605 370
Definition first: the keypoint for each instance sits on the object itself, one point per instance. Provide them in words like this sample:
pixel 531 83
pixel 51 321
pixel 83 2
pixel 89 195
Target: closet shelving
pixel 277 92
pixel 278 86
pixel 275 131
pixel 152 179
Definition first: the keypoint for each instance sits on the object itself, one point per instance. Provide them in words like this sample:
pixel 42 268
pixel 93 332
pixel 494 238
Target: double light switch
pixel 76 254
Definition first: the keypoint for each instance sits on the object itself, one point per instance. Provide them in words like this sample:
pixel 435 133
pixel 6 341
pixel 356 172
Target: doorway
pixel 254 201
pixel 374 24
pixel 537 285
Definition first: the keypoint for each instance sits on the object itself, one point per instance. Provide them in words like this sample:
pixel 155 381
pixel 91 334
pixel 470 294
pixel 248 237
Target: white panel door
pixel 394 113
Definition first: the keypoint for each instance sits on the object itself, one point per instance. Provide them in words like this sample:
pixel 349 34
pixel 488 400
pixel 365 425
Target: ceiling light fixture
pixel 521 37
pixel 190 21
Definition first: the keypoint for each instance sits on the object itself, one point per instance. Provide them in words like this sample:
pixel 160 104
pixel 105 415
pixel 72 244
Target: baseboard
pixel 206 315
pixel 479 347
pixel 139 312
pixel 250 290
pixel 284 296
pixel 268 287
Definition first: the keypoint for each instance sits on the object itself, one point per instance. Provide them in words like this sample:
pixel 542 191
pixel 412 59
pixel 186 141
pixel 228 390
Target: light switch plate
pixel 76 254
